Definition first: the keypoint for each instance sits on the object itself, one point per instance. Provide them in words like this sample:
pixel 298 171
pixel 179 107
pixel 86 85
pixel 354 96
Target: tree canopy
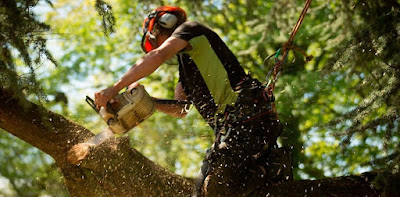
pixel 340 111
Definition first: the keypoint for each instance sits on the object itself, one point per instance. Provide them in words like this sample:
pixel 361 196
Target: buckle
pixel 268 94
pixel 152 14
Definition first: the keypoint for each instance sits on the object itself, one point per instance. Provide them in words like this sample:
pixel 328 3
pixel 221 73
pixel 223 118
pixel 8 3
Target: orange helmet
pixel 167 16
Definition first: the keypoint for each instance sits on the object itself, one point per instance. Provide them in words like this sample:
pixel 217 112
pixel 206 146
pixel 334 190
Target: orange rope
pixel 299 21
pixel 288 46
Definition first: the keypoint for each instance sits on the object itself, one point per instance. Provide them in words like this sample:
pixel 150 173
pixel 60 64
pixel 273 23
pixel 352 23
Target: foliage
pixel 341 110
pixel 29 172
pixel 21 34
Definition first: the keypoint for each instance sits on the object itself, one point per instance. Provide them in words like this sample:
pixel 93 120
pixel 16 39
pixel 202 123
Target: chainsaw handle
pixel 90 101
pixel 168 101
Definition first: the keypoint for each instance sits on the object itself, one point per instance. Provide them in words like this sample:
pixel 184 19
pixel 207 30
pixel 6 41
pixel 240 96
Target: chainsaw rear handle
pixel 168 101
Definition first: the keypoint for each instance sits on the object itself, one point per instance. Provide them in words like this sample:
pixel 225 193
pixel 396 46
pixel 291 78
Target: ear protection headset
pixel 166 17
pixel 167 20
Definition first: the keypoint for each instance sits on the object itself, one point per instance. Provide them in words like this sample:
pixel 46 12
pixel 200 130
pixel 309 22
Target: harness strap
pixel 222 130
pixel 268 112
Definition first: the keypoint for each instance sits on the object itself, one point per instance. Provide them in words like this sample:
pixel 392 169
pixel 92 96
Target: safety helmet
pixel 167 17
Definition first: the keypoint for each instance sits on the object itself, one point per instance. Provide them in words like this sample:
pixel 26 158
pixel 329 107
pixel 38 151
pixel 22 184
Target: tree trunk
pixel 112 169
pixel 116 169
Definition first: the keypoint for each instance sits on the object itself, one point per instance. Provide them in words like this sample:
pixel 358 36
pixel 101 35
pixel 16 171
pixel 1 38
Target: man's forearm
pixel 142 68
pixel 176 110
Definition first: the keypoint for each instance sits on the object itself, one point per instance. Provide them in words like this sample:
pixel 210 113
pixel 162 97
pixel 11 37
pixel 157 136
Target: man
pixel 233 104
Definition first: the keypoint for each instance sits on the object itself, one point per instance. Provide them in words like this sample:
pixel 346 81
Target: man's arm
pixel 176 110
pixel 142 68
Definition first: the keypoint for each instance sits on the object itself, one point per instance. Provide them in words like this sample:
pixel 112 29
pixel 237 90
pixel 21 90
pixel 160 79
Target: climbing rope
pixel 286 47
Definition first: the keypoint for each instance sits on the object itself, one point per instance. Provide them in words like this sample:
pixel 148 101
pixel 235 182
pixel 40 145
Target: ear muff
pixel 167 20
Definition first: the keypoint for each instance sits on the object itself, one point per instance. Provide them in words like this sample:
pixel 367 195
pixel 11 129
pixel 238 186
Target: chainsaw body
pixel 127 110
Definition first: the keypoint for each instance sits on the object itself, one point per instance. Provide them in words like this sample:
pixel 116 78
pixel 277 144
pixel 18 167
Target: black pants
pixel 233 164
pixel 232 167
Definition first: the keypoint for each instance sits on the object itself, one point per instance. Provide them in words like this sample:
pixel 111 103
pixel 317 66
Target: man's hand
pixel 102 97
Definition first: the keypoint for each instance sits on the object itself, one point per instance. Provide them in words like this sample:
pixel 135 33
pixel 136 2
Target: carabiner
pixel 277 54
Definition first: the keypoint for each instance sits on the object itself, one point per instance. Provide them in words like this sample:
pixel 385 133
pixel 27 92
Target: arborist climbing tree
pixel 238 107
pixel 365 44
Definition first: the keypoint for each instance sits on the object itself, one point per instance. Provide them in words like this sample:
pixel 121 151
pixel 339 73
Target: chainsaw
pixel 127 110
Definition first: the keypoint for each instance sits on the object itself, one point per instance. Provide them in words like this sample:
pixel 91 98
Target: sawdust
pixel 78 152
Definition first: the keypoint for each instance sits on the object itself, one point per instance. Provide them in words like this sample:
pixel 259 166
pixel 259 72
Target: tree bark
pixel 116 169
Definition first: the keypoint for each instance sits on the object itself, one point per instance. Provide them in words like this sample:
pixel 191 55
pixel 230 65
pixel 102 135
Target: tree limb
pixel 115 169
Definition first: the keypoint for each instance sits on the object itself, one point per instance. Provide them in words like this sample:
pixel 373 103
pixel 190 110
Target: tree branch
pixel 112 168
pixel 115 169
